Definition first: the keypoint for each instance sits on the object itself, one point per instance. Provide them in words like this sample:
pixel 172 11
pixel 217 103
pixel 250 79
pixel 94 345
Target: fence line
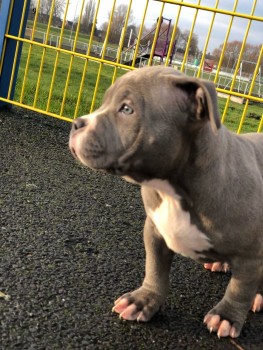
pixel 64 73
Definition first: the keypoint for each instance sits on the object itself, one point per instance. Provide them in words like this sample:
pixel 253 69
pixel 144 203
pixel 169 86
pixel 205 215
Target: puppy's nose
pixel 79 123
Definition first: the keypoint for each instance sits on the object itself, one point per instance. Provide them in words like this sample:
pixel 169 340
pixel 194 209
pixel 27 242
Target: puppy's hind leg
pixel 217 267
pixel 144 302
pixel 228 316
pixel 257 304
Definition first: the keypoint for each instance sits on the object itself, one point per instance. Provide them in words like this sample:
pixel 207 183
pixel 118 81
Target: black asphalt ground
pixel 71 242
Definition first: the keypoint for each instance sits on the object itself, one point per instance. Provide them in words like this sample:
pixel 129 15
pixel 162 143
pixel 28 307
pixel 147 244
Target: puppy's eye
pixel 126 109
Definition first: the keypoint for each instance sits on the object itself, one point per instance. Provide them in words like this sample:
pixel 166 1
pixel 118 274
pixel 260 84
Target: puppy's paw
pixel 140 305
pixel 217 267
pixel 223 328
pixel 257 303
pixel 227 318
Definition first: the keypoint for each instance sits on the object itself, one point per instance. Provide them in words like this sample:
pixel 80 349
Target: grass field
pixel 68 34
pixel 71 95
pixel 60 81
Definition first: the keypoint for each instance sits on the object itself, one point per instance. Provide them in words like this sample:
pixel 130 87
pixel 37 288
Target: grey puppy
pixel 202 186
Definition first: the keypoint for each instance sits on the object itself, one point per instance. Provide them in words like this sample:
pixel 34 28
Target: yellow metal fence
pixel 66 67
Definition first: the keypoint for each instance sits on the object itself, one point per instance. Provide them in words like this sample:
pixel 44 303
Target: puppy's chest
pixel 174 224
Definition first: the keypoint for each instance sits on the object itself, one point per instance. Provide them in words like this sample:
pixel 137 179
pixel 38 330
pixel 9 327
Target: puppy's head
pixel 145 123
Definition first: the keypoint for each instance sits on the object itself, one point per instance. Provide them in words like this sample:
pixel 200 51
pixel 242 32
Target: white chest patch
pixel 174 223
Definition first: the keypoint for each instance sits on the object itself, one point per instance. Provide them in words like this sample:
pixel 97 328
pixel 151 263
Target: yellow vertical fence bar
pixel 207 41
pixel 140 33
pixel 29 53
pixel 225 43
pixel 122 39
pixel 260 124
pixel 250 90
pixel 156 34
pixel 102 56
pixel 71 59
pixel 173 35
pixel 57 57
pixel 86 61
pixel 43 54
pixel 93 27
pixel 190 38
pixel 238 61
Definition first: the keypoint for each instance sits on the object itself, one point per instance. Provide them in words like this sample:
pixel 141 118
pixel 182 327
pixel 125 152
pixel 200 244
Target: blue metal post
pixel 10 47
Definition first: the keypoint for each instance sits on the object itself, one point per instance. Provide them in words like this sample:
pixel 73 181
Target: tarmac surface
pixel 71 243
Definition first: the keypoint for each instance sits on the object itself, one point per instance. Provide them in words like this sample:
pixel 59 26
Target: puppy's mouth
pixel 93 155
pixel 129 175
pixel 73 152
pixel 100 161
pixel 118 170
pixel 90 154
pixel 123 170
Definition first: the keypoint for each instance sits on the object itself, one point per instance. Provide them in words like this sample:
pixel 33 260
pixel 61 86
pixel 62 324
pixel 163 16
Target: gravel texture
pixel 71 242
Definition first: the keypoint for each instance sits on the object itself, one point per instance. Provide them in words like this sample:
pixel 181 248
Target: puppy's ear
pixel 207 99
pixel 202 94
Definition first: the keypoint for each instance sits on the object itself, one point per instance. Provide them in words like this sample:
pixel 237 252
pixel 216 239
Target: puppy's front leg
pixel 144 302
pixel 228 316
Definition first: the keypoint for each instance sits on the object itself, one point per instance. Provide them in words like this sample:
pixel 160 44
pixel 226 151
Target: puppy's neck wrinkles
pixel 201 150
pixel 207 148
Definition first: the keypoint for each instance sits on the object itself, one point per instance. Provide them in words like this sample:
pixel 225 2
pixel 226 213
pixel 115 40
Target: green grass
pixel 41 28
pixel 234 114
pixel 68 36
pixel 60 81
pixel 234 111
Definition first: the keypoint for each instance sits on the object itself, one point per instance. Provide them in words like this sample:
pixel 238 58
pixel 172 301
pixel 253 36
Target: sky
pixel 186 17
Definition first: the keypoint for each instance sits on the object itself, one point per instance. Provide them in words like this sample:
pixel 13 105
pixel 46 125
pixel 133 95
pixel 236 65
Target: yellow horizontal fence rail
pixel 73 51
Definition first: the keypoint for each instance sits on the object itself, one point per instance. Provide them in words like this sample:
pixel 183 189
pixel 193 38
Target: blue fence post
pixel 10 47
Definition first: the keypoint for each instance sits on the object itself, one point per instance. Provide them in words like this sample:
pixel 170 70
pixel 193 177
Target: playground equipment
pixel 243 81
pixel 208 65
pixel 161 46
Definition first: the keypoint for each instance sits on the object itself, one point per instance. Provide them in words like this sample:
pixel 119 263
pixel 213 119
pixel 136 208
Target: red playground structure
pixel 161 46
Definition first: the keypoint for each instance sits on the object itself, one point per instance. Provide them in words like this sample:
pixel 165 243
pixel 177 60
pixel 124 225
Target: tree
pixel 88 16
pixel 130 35
pixel 231 54
pixel 118 22
pixel 45 9
pixel 32 10
pixel 193 48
